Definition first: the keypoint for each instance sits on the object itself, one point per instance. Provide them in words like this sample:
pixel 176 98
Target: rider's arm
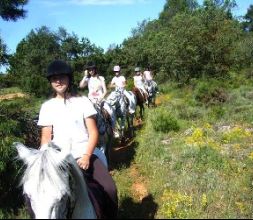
pixel 93 134
pixel 90 123
pixel 124 82
pixel 46 135
pixel 151 74
pixel 84 81
pixel 112 84
pixel 135 84
pixel 104 89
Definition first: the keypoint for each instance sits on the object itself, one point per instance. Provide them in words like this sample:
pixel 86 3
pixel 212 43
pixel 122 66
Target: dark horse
pixel 140 100
pixel 105 127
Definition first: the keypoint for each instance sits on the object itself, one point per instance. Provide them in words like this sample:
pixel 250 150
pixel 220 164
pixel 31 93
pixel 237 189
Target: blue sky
pixel 103 22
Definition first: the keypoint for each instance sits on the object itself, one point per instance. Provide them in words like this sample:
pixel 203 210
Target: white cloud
pixel 54 4
pixel 107 2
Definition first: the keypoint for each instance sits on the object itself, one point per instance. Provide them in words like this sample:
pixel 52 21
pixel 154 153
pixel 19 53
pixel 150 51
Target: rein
pixel 71 200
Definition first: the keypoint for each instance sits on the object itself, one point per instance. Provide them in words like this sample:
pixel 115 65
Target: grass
pixel 204 169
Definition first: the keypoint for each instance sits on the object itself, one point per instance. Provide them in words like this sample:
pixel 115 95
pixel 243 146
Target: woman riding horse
pixel 150 86
pixel 139 90
pixel 68 119
pixel 123 99
pixel 106 116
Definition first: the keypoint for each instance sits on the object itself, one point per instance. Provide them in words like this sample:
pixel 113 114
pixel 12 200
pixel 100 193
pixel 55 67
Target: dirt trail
pixel 12 96
pixel 123 153
pixel 140 203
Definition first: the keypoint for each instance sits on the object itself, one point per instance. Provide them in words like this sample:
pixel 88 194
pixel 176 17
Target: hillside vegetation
pixel 195 153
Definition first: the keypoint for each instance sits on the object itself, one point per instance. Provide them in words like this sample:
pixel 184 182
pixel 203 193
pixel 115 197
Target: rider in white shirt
pixel 68 120
pixel 147 75
pixel 139 82
pixel 118 81
pixel 97 89
pixel 95 83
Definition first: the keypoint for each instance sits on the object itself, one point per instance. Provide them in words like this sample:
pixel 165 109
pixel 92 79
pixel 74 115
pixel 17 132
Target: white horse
pixel 124 104
pixel 54 184
pixel 152 89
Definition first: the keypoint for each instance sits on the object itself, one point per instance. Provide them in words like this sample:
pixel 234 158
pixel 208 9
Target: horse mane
pixel 48 164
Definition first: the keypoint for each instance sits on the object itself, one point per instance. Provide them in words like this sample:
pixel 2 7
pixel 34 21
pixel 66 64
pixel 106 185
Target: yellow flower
pixel 204 201
pixel 251 156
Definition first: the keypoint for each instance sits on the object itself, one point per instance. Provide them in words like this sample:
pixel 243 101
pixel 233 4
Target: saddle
pixel 106 115
pixel 105 201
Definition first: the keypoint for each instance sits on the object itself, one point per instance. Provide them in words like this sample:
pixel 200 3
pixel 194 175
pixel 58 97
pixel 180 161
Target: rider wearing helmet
pixel 147 75
pixel 95 83
pixel 139 82
pixel 66 105
pixel 118 81
pixel 68 120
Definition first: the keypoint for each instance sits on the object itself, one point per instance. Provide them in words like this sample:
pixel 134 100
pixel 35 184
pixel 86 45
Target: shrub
pixel 164 121
pixel 16 125
pixel 210 93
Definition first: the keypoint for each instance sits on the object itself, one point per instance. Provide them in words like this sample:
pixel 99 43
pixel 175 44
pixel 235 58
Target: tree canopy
pixel 12 9
pixel 187 41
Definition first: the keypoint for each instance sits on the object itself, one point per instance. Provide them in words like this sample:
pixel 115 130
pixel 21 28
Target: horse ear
pixel 23 152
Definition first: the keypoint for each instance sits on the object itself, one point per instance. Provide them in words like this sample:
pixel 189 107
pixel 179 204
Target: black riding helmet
pixel 91 65
pixel 59 67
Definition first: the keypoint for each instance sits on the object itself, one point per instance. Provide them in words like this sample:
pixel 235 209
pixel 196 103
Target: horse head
pixel 117 101
pixel 51 182
pixel 152 88
pixel 113 98
pixel 124 103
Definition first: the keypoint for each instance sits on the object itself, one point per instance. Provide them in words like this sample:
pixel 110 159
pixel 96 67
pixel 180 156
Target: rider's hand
pixel 84 162
pixel 85 73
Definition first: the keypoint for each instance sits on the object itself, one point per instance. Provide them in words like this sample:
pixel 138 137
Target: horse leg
pixel 142 111
pixel 132 125
pixel 109 134
pixel 154 99
pixel 122 128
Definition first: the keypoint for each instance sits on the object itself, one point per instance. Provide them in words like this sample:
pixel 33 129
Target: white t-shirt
pixel 138 81
pixel 119 81
pixel 67 120
pixel 95 86
pixel 147 75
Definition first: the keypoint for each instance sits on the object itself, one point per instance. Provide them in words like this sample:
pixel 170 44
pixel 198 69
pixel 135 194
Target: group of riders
pixel 98 90
pixel 69 119
pixel 97 87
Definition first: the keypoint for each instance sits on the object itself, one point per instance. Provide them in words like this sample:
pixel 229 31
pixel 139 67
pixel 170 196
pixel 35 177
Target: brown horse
pixel 140 100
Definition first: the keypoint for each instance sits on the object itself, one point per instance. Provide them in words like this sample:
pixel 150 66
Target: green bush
pixel 6 81
pixel 36 85
pixel 164 121
pixel 210 93
pixel 16 125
